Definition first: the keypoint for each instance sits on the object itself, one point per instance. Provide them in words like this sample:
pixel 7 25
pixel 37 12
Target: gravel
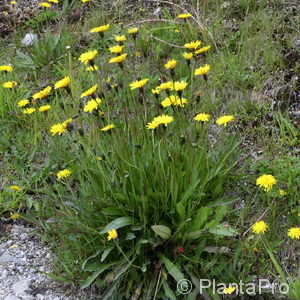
pixel 24 260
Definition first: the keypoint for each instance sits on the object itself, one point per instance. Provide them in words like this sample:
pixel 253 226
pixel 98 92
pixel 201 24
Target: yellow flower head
pixel 6 68
pixel 63 174
pixel 184 16
pixel 118 59
pixel 179 85
pixel 112 234
pixel 88 56
pixel 29 111
pixel 138 84
pixel 202 50
pixel 133 30
pixel 45 4
pixel 92 68
pixel 171 64
pixel 116 49
pixel 60 128
pixel 100 28
pixel 202 117
pixel 92 105
pixel 63 83
pixel 23 103
pixel 294 233
pixel 192 45
pixel 53 1
pixel 266 181
pixel 120 38
pixel 282 192
pixel 165 85
pixel 224 120
pixel 108 127
pixel 44 108
pixel 203 70
pixel 9 84
pixel 90 91
pixel 83 1
pixel 174 100
pixel 229 290
pixel 188 55
pixel 259 227
pixel 15 188
pixel 155 91
pixel 43 93
pixel 14 216
pixel 163 119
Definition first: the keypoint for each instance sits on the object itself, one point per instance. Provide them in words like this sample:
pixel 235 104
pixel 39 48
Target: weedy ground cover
pixel 147 150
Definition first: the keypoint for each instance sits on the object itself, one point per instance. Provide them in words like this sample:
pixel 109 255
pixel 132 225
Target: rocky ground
pixel 24 262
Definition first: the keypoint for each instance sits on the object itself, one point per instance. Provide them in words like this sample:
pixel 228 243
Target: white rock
pixel 20 287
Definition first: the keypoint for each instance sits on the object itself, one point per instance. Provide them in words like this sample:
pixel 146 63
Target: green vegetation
pixel 133 204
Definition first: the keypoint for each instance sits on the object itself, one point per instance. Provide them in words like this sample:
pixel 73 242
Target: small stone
pixel 20 287
pixel 5 258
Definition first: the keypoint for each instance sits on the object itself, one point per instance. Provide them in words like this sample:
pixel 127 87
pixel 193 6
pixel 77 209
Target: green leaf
pixel 171 268
pixel 105 253
pixel 101 268
pixel 195 234
pixel 201 217
pixel 117 223
pixel 163 231
pixel 223 230
pixel 112 211
pixel 130 236
pixel 168 292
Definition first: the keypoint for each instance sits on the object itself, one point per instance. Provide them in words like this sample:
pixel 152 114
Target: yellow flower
pixel 44 108
pixel 90 91
pixel 14 216
pixel 192 45
pixel 229 290
pixel 45 4
pixel 116 49
pixel 23 103
pixel 165 85
pixel 138 84
pixel 155 91
pixel 29 111
pixel 112 234
pixel 86 57
pixel 294 233
pixel 99 158
pixel 282 192
pixel 60 128
pixel 6 68
pixel 179 85
pixel 92 105
pixel 108 127
pixel 203 70
pixel 266 181
pixel 173 100
pixel 53 1
pixel 224 120
pixel 43 93
pixel 163 119
pixel 188 55
pixel 133 30
pixel 202 117
pixel 14 2
pixel 92 68
pixel 202 50
pixel 138 54
pixel 120 38
pixel 63 174
pixel 171 64
pixel 260 227
pixel 83 1
pixel 184 16
pixel 100 28
pixel 15 188
pixel 9 84
pixel 63 83
pixel 118 59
